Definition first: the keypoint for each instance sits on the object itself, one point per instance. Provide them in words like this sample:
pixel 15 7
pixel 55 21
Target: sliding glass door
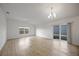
pixel 56 32
pixel 63 32
pixel 60 32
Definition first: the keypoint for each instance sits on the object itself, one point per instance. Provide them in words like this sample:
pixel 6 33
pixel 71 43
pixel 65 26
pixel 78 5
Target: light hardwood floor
pixel 38 46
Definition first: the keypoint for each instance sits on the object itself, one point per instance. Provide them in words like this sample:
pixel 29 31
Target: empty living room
pixel 39 29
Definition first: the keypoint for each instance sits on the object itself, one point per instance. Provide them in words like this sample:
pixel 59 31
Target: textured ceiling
pixel 37 13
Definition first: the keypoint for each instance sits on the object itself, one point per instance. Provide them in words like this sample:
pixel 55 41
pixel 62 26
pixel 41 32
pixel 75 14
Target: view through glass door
pixel 56 32
pixel 60 32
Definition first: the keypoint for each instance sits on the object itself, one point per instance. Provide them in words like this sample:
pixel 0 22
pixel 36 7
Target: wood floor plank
pixel 38 46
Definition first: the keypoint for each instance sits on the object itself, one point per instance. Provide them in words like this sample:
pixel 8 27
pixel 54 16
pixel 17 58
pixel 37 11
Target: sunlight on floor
pixel 24 43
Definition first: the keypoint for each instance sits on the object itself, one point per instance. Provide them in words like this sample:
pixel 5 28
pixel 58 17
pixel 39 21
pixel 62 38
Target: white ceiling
pixel 37 13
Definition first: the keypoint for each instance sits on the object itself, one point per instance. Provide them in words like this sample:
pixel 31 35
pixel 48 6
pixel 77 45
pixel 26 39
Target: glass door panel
pixel 56 32
pixel 63 32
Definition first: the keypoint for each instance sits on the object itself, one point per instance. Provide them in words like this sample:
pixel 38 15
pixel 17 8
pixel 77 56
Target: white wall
pixel 13 26
pixel 2 29
pixel 75 31
pixel 44 32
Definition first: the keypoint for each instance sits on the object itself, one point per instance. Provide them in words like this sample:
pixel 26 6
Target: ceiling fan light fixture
pixel 52 14
pixel 49 15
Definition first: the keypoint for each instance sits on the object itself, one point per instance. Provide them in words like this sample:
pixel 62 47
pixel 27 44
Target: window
pixel 24 30
pixel 21 30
